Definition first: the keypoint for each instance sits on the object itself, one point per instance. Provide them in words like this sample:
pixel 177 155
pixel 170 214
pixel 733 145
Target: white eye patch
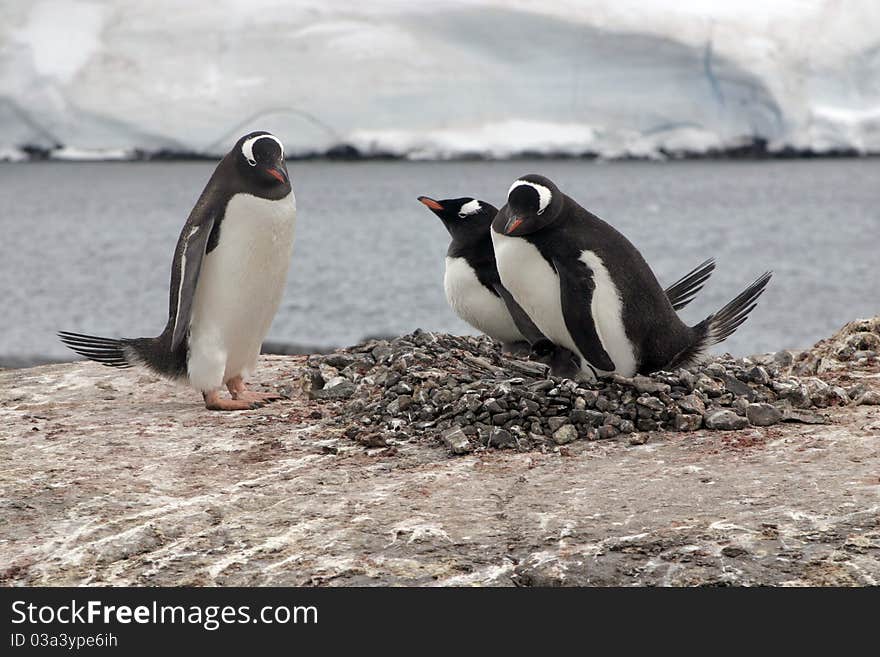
pixel 544 194
pixel 469 208
pixel 247 148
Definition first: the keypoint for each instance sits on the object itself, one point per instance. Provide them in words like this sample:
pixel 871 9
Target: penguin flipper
pixel 523 322
pixel 188 259
pixel 576 288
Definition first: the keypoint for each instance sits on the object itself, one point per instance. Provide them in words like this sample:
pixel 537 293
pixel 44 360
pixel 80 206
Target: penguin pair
pixel 546 272
pixel 227 278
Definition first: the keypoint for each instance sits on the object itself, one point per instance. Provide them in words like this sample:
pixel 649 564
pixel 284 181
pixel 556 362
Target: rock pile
pixel 464 391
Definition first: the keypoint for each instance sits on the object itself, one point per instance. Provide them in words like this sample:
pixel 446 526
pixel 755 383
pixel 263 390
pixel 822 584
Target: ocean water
pixel 87 247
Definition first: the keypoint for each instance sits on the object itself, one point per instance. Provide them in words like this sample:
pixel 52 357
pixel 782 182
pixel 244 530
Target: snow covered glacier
pixel 445 78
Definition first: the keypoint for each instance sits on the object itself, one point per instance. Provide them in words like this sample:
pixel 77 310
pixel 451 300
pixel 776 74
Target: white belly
pixel 535 286
pixel 240 286
pixel 476 305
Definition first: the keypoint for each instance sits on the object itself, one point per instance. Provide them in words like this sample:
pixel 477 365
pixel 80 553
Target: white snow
pixel 442 79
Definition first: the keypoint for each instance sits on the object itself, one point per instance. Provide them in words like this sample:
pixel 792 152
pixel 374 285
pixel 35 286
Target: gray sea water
pixel 87 247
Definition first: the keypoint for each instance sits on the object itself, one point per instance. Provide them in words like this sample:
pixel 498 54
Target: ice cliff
pixel 440 79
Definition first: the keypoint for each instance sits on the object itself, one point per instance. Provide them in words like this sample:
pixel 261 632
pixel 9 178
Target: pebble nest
pixel 464 392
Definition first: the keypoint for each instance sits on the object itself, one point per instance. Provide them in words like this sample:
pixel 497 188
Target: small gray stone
pixel 644 424
pixel 565 434
pixel 555 422
pixel 868 398
pixel 502 439
pixel 381 352
pixel 638 439
pixel 651 403
pixel 763 415
pixel 603 404
pixel 607 431
pixel 793 391
pixel 687 378
pixel 312 380
pixel 692 404
pixel 456 441
pixel 612 420
pixel 494 406
pixel 343 390
pixel 687 422
pixel 339 360
pixel 740 404
pixel 708 386
pixel 626 426
pixel 500 418
pixel 737 387
pixel 758 375
pixel 724 420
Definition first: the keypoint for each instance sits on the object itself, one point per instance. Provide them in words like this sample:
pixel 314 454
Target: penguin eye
pixel 252 161
pixel 462 215
pixel 541 211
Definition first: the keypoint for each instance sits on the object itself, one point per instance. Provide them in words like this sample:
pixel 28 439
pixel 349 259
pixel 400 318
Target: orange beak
pixel 277 174
pixel 430 203
pixel 512 225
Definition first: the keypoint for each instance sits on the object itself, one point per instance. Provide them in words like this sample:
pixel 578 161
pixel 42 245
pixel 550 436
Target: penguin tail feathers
pixel 721 325
pixel 683 291
pixel 111 352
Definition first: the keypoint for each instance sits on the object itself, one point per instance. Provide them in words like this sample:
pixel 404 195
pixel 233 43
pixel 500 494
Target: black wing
pixel 683 291
pixel 185 275
pixel 576 288
pixel 523 322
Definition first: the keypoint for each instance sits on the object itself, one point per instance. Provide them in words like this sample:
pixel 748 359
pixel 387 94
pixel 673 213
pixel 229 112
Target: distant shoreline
pixel 752 150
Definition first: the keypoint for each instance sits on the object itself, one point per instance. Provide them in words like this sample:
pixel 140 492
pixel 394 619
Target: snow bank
pixel 443 79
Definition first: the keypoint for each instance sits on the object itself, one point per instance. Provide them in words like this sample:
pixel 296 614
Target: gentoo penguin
pixel 588 289
pixel 471 282
pixel 227 278
pixel 474 291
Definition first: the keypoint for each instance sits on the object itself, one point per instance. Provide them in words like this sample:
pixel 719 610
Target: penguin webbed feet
pixel 242 399
pixel 239 391
pixel 214 402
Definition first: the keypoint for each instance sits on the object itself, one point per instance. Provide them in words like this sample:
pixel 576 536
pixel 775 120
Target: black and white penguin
pixel 473 288
pixel 588 289
pixel 227 279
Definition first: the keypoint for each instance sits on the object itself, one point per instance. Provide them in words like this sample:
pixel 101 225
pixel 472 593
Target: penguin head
pixel 465 218
pixel 533 202
pixel 259 158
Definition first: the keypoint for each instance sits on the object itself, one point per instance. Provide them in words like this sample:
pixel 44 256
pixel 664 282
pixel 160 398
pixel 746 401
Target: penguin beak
pixel 512 224
pixel 431 203
pixel 278 174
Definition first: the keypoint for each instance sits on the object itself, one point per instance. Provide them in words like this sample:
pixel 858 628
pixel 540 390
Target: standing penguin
pixel 475 293
pixel 227 279
pixel 589 290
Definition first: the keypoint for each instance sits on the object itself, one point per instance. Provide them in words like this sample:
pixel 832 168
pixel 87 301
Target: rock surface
pixel 116 477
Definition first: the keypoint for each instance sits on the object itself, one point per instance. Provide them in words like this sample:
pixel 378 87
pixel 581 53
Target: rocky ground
pixel 433 459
